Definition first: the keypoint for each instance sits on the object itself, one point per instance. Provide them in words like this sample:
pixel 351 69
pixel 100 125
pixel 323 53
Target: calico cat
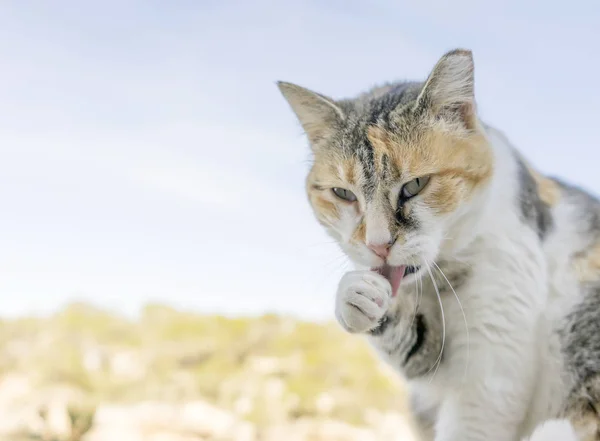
pixel 478 278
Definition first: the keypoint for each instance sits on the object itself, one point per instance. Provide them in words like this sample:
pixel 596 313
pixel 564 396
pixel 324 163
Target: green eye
pixel 413 187
pixel 344 194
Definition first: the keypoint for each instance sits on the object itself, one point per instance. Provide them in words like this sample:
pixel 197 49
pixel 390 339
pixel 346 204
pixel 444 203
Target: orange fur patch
pixel 586 426
pixel 548 189
pixel 325 210
pixel 587 264
pixel 457 166
pixel 360 234
pixel 349 168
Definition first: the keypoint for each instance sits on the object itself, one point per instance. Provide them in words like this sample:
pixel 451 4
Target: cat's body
pixel 478 279
pixel 526 333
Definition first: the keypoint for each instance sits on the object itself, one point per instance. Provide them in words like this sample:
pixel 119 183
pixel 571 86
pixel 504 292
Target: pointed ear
pixel 318 114
pixel 449 91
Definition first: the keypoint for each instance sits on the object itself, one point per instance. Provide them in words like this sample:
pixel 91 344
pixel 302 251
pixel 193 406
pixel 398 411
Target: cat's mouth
pixel 395 274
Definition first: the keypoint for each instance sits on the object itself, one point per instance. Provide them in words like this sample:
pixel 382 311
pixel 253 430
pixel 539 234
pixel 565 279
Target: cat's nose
pixel 381 249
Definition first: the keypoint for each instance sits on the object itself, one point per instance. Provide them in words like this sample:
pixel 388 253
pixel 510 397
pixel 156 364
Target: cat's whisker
pixel 336 261
pixel 417 298
pixel 336 264
pixel 420 283
pixel 309 161
pixel 437 291
pixel 463 314
pixel 317 244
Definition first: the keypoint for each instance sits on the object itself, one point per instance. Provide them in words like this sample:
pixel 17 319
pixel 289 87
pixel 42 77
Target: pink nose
pixel 382 250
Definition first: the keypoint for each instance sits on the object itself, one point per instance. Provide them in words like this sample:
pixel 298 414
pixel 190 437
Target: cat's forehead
pixel 381 102
pixel 369 166
pixel 377 151
pixel 386 107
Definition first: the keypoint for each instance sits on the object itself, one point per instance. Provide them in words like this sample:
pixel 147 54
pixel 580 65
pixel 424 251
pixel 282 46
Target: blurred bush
pixel 265 371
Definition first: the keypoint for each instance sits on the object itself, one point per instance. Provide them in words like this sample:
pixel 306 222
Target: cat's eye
pixel 414 187
pixel 344 194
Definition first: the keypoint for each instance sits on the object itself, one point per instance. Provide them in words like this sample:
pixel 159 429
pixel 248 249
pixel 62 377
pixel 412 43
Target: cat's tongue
pixel 394 274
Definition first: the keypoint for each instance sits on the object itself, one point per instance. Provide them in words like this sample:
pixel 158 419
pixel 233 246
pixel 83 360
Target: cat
pixel 477 278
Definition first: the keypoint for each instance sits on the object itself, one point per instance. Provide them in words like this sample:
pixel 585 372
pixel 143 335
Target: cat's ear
pixel 449 90
pixel 317 113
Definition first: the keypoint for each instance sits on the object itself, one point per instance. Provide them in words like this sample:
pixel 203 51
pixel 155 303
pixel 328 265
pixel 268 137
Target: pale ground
pixel 87 375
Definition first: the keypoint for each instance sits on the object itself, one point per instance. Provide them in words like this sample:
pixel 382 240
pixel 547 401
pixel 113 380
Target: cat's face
pixel 395 169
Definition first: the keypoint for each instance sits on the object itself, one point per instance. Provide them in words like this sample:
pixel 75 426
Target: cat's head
pixel 398 167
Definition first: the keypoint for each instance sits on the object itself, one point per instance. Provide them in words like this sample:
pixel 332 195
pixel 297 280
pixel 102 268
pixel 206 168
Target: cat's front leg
pixel 485 408
pixel 489 377
pixel 410 339
pixel 406 332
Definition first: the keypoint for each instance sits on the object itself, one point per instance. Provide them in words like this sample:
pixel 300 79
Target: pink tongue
pixel 394 274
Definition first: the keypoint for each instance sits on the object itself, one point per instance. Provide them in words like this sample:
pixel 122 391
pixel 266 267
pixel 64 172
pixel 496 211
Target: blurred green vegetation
pixel 263 368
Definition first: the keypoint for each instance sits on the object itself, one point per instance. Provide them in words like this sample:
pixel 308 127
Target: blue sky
pixel 146 154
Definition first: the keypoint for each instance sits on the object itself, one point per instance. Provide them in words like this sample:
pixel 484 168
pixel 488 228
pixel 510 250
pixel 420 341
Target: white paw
pixel 363 297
